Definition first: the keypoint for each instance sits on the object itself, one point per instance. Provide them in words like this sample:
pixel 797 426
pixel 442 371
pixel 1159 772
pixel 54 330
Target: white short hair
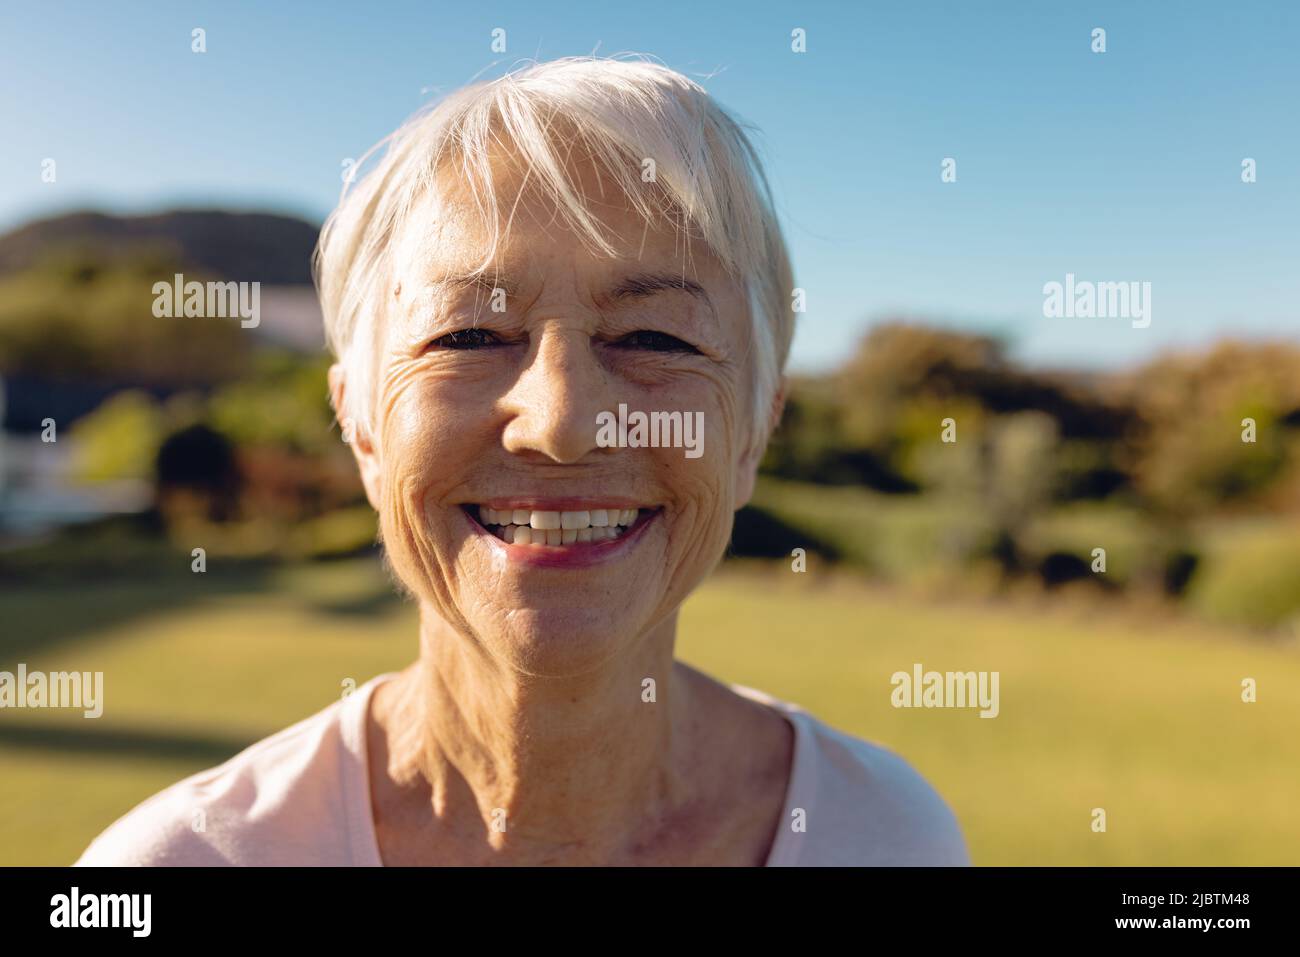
pixel 624 111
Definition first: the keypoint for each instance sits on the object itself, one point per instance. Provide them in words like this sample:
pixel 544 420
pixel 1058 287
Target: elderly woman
pixel 534 253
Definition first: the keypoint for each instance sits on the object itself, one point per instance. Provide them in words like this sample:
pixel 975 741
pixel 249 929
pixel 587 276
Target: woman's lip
pixel 568 504
pixel 573 555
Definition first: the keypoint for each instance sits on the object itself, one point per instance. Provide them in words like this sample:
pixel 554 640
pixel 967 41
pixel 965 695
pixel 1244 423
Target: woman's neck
pixel 503 767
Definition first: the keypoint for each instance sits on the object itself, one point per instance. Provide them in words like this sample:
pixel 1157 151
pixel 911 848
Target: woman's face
pixel 487 405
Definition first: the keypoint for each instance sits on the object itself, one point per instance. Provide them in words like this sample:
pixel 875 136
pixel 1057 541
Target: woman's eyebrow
pixel 474 281
pixel 641 285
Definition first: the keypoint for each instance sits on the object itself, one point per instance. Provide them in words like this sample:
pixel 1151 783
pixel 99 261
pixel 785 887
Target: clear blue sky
pixel 1116 166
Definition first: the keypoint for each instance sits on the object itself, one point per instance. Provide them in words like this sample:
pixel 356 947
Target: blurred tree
pixel 282 402
pixel 75 317
pixel 897 364
pixel 197 475
pixel 119 440
pixel 1188 453
pixel 888 392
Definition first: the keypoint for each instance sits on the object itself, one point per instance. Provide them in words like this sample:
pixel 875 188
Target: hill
pixel 248 247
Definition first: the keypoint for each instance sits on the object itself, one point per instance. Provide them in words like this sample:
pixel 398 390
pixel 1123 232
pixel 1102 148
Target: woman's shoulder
pixel 287 799
pixel 854 802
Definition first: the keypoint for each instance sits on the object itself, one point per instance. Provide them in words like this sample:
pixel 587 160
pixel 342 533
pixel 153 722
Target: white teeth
pixel 545 520
pixel 575 519
pixel 521 526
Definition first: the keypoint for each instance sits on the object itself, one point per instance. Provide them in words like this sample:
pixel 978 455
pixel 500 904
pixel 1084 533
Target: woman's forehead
pixel 450 232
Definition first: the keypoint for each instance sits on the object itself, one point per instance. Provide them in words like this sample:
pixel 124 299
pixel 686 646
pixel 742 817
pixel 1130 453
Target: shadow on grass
pixel 93 578
pixel 121 742
pixel 758 533
pixel 98 576
pixel 365 607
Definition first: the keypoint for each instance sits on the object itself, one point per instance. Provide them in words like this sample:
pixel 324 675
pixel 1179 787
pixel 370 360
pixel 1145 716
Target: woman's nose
pixel 554 403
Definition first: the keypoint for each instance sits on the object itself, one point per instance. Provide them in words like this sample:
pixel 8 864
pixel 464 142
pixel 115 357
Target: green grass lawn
pixel 1140 717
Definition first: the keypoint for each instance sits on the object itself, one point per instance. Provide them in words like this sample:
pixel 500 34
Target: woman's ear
pixel 747 466
pixel 356 435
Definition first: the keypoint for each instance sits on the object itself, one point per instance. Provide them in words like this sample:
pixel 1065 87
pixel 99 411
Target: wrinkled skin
pixel 527 700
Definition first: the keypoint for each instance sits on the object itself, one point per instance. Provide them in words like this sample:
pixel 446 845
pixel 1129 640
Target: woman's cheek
pixel 702 490
pixel 412 433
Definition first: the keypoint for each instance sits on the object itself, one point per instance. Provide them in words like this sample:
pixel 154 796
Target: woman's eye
pixel 655 342
pixel 466 339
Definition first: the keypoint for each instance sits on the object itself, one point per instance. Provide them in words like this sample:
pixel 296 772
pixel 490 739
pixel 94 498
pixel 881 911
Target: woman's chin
pixel 559 642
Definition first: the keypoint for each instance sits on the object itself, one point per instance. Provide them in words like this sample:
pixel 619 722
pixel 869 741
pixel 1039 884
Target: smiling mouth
pixel 521 526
